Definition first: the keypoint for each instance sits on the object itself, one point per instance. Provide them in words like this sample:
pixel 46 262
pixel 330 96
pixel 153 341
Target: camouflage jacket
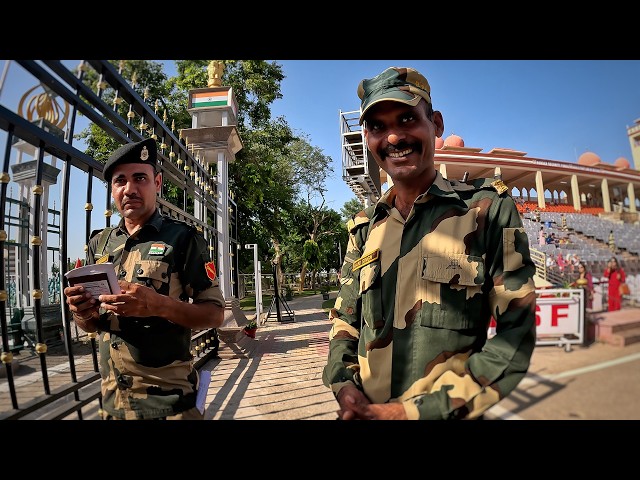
pixel 410 323
pixel 146 363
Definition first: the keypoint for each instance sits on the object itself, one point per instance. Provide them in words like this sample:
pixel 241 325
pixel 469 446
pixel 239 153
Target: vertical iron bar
pixel 36 294
pixel 5 178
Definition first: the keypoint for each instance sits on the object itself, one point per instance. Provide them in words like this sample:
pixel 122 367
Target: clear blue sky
pixel 555 109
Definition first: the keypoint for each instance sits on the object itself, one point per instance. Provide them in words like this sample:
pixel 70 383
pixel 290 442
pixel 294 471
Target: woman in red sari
pixel 585 281
pixel 615 274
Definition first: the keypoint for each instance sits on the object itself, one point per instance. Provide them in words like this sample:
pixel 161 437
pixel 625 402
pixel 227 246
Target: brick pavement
pixel 282 376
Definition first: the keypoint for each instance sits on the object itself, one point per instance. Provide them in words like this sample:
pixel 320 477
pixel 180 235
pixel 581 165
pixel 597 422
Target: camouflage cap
pixel 398 84
pixel 144 152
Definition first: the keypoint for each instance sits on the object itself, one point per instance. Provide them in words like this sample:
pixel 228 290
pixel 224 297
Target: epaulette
pixel 95 232
pixel 493 184
pixel 179 221
pixel 500 186
pixel 360 218
pixel 460 186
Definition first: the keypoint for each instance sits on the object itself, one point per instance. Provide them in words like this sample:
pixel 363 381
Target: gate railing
pixel 67 382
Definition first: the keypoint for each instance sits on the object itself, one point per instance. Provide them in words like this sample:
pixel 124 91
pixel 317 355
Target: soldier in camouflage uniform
pixel 169 287
pixel 426 269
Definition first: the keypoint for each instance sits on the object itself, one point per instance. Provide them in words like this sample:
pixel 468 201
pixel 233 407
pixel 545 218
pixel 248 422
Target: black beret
pixel 144 152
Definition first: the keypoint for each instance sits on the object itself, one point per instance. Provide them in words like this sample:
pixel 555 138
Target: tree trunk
pixel 277 263
pixel 303 274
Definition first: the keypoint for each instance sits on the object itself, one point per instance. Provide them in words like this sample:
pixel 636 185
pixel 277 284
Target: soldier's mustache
pixel 400 147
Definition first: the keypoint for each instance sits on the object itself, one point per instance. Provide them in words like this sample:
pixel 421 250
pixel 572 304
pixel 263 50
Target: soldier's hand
pixel 352 403
pixel 386 411
pixel 135 300
pixel 81 302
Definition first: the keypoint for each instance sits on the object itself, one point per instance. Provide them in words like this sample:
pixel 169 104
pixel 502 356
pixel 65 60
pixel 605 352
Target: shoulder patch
pixel 103 259
pixel 211 270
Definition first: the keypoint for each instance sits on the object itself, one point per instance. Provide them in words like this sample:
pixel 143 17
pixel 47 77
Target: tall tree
pixel 262 182
pixel 256 176
pixel 275 169
pixel 350 208
pixel 311 168
pixel 150 81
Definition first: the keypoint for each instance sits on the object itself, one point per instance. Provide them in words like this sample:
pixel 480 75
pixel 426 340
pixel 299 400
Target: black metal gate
pixel 50 368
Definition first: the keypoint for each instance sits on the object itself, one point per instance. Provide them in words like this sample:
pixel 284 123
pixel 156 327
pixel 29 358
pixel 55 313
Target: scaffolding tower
pixel 359 169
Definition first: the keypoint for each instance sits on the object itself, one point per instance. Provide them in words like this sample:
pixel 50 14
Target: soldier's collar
pixel 155 221
pixel 440 187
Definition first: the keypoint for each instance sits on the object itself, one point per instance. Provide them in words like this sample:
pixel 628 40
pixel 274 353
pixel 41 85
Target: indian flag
pixel 209 99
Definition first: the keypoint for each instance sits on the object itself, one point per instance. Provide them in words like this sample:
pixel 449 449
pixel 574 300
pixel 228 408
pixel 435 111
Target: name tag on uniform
pixel 103 259
pixel 366 260
pixel 157 249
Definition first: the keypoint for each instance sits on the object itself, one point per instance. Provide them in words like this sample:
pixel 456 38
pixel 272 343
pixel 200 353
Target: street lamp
pixel 257 267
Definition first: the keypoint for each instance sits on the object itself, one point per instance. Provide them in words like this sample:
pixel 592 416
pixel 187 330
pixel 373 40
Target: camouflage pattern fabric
pixel 410 321
pixel 146 363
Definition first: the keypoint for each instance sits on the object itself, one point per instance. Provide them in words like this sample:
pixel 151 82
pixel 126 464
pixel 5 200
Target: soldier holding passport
pixel 168 287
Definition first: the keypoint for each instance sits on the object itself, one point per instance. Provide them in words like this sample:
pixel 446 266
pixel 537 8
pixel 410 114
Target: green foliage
pixel 149 77
pixel 312 254
pixel 350 208
pixel 288 292
pixel 278 178
pixel 251 325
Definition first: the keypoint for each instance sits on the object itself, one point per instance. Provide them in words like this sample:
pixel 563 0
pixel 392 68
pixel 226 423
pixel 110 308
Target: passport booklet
pixel 98 279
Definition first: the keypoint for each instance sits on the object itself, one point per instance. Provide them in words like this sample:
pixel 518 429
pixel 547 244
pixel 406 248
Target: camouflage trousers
pixel 191 414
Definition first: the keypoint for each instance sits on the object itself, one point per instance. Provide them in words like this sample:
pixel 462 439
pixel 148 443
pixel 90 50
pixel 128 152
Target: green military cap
pixel 398 84
pixel 144 152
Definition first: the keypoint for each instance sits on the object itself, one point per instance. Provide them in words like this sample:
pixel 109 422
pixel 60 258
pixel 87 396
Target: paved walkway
pixel 282 378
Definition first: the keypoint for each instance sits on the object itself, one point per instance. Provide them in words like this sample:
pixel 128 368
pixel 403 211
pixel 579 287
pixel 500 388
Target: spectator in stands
pixel 550 262
pixel 612 242
pixel 573 261
pixel 542 237
pixel 561 262
pixel 616 275
pixel 585 281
